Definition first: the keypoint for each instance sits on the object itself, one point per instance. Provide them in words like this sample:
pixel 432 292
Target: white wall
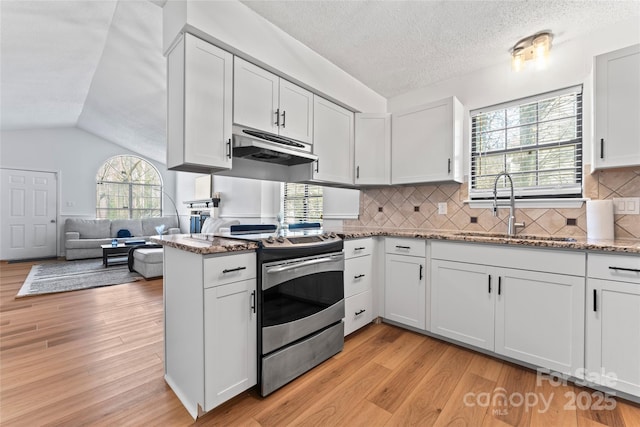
pixel 238 29
pixel 570 63
pixel 76 156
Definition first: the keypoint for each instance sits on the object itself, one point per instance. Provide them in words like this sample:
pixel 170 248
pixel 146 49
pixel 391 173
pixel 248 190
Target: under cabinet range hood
pixel 266 147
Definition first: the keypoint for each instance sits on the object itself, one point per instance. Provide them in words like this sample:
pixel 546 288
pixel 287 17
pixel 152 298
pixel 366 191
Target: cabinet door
pixel 255 101
pixel 425 145
pixel 404 287
pixel 372 149
pixel 230 348
pixel 296 112
pixel 613 334
pixel 332 142
pixel 540 318
pixel 462 302
pixel 617 108
pixel 200 105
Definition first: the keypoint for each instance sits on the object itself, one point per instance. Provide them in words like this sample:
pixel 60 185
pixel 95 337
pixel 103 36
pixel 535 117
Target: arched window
pixel 128 187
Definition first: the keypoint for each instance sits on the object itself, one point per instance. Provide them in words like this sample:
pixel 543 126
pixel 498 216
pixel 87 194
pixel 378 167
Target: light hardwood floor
pixel 94 357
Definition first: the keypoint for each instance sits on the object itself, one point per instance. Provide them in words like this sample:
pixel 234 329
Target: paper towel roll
pixel 600 219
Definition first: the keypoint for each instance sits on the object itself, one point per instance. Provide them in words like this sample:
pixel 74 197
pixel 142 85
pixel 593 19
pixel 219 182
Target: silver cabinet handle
pixel 284 118
pixel 277 123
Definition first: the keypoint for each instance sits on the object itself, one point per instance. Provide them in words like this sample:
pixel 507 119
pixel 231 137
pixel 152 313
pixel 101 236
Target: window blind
pixel 302 203
pixel 537 140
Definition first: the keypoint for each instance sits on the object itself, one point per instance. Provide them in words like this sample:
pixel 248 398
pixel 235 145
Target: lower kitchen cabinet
pixel 540 319
pixel 230 341
pixel 358 280
pixel 613 322
pixel 529 315
pixel 405 290
pixel 462 303
pixel 210 326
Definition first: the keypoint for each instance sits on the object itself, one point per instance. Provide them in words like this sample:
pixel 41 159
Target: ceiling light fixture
pixel 535 47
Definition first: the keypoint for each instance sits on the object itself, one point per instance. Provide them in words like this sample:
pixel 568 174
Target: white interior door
pixel 28 214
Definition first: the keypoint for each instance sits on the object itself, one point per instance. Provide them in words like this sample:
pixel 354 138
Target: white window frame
pixel 568 195
pixel 156 189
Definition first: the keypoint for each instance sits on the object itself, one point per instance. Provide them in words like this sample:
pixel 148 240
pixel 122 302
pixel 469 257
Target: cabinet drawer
pixel 358 247
pixel 400 246
pixel 358 310
pixel 357 275
pixel 223 269
pixel 623 268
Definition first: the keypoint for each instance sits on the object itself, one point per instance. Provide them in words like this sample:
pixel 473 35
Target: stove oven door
pixel 300 297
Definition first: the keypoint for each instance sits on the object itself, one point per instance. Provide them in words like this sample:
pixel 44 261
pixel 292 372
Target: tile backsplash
pixel 417 207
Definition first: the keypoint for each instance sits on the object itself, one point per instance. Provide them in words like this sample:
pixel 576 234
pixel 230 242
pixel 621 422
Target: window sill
pixel 531 203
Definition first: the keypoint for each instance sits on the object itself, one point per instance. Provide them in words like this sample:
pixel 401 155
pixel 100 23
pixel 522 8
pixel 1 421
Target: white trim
pixel 531 203
pixel 340 216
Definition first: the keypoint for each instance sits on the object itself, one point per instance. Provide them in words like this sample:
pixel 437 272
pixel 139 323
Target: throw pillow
pixel 124 233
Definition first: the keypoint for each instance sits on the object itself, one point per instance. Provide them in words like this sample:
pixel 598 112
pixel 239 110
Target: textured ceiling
pixel 98 65
pixel 397 46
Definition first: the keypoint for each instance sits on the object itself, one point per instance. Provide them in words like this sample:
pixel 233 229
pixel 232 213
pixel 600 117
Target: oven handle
pixel 304 264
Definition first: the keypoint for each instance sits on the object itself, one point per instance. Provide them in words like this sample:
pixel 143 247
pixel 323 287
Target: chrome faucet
pixel 512 224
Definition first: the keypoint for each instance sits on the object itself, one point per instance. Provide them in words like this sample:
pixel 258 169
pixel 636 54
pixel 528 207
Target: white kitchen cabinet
pixel 210 326
pixel 462 303
pixel 533 313
pixel 613 321
pixel 199 91
pixel 269 103
pixel 230 341
pixel 358 280
pixel 617 109
pixel 426 144
pixel 333 142
pixel 372 149
pixel 405 283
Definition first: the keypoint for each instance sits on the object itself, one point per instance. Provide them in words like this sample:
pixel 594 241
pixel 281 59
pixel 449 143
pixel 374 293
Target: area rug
pixel 74 275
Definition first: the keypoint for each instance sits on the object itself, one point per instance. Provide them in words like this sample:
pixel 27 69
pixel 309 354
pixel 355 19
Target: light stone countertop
pixel 211 244
pixel 577 243
pixel 204 244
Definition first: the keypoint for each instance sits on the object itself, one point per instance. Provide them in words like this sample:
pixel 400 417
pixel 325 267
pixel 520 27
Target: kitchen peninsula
pixel 210 283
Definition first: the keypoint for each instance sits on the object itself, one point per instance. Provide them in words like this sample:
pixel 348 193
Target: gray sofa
pixel 83 237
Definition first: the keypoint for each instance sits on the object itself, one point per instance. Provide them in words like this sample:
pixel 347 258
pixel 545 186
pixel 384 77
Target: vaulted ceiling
pixel 98 65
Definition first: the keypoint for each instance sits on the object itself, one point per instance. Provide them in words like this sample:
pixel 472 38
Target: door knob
pixel 53 221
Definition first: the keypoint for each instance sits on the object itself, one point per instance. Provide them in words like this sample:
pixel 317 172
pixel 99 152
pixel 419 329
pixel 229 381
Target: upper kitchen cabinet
pixel 617 109
pixel 427 143
pixel 266 102
pixel 199 92
pixel 333 140
pixel 373 149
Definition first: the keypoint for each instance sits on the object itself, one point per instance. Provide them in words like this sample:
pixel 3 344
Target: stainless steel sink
pixel 516 237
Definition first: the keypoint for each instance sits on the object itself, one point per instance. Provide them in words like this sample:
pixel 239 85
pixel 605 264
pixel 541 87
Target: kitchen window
pixel 128 187
pixel 301 203
pixel 537 140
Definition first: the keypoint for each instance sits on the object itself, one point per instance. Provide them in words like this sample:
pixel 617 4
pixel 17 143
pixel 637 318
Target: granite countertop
pixel 204 244
pixel 578 243
pixel 211 244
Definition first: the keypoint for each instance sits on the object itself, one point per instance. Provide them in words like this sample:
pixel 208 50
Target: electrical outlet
pixel 442 208
pixel 626 205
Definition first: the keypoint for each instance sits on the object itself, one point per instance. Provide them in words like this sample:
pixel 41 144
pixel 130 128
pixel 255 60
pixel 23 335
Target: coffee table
pixel 115 255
